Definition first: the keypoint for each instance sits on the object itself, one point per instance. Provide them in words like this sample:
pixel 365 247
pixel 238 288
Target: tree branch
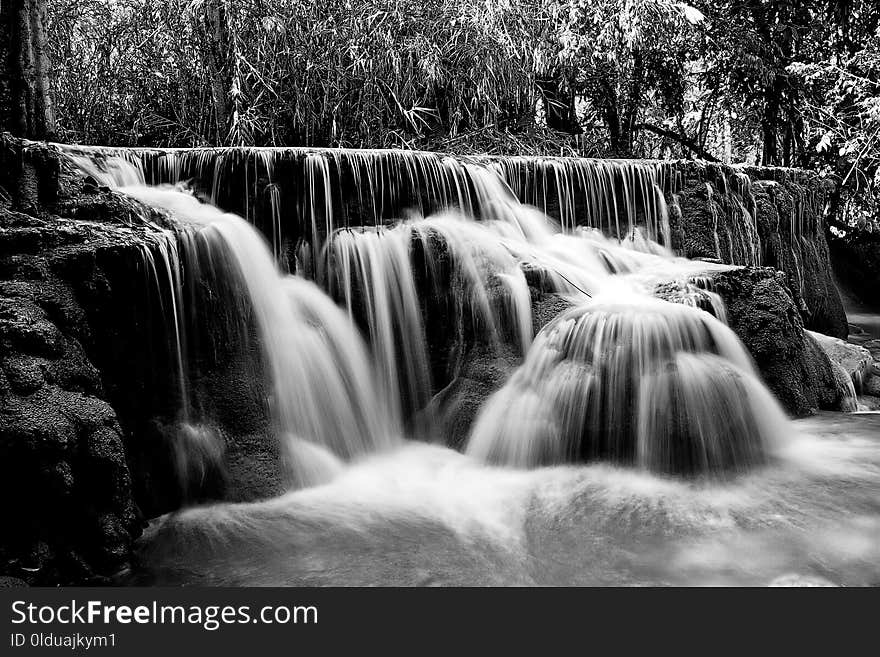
pixel 681 139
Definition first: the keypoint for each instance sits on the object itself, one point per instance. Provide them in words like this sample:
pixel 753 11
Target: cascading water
pixel 372 269
pixel 322 385
pixel 342 189
pixel 631 383
pixel 319 191
pixel 589 384
pixel 162 262
pixel 323 391
pixel 635 381
pixel 379 274
pixel 605 194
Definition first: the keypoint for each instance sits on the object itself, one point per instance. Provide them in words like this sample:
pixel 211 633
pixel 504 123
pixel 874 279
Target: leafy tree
pixel 621 56
pixel 786 82
pixel 841 114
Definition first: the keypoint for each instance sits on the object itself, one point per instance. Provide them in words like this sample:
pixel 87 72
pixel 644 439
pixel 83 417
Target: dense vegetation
pixel 772 82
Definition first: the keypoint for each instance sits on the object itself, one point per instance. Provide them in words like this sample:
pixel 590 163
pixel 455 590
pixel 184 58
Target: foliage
pixel 842 125
pixel 358 72
pixel 784 82
pixel 621 55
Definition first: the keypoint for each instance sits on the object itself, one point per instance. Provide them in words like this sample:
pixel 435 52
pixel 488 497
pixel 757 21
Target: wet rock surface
pixel 761 217
pixel 88 405
pixel 65 479
pixel 856 361
pixel 482 368
pixel 763 314
pixel 867 376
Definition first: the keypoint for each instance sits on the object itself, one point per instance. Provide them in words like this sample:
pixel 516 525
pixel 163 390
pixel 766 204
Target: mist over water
pixel 634 444
pixel 429 516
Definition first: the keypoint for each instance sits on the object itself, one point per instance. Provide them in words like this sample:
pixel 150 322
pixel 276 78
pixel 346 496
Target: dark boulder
pixel 65 483
pixel 481 369
pixel 763 314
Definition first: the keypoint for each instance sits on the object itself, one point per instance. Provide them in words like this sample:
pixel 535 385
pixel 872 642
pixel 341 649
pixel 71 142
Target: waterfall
pixel 392 247
pixel 162 263
pixel 372 269
pixel 322 385
pixel 636 380
pixel 337 188
pixel 614 196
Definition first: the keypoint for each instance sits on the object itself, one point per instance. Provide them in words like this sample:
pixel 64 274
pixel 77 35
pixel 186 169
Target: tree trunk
pixel 615 136
pixel 26 108
pixel 633 103
pixel 558 104
pixel 217 49
pixel 769 128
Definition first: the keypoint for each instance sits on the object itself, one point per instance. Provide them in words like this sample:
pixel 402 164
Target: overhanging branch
pixel 690 144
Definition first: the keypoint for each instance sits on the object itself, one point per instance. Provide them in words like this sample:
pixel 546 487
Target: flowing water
pixel 430 516
pixel 634 444
pixel 322 385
